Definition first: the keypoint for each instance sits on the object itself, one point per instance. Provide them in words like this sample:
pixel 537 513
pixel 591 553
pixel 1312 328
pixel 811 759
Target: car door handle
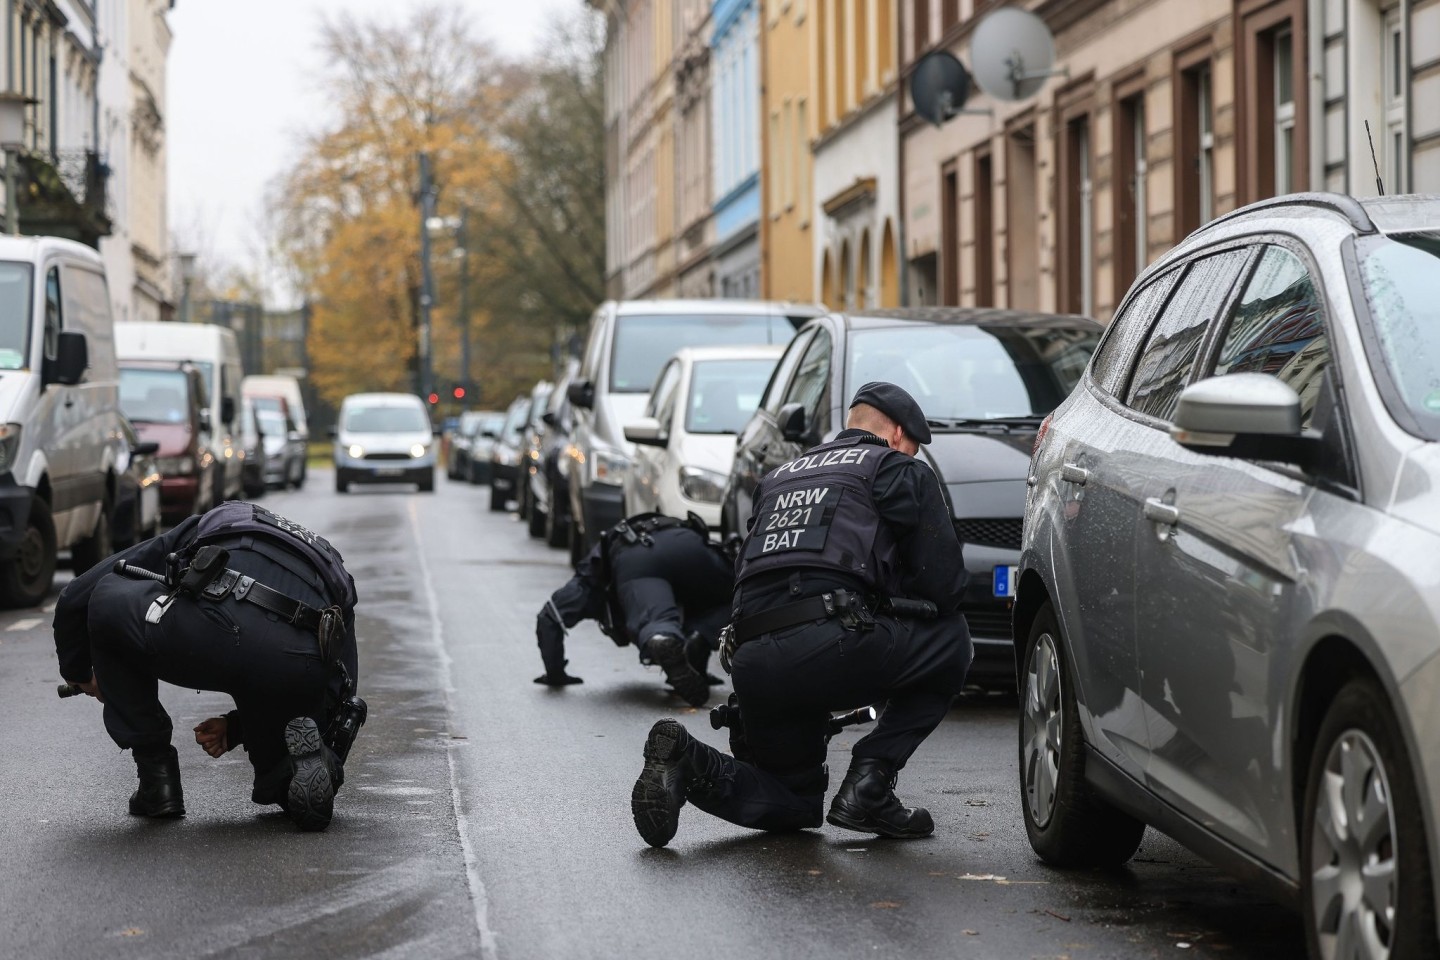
pixel 1161 512
pixel 1074 473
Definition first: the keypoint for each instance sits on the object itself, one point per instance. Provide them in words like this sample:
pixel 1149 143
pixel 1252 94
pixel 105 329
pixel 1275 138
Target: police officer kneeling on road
pixel 240 601
pixel 654 581
pixel 838 534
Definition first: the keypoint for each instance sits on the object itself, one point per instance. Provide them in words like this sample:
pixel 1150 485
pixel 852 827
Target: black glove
pixel 557 679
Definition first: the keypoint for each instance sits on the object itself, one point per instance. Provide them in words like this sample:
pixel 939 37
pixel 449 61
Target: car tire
pixel 1068 823
pixel 539 521
pixel 342 481
pixel 472 474
pixel 1360 762
pixel 497 499
pixel 25 580
pixel 426 482
pixel 575 539
pixel 99 545
pixel 557 530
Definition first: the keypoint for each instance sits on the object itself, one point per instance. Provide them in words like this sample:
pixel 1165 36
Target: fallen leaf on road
pixel 977 803
pixel 885 904
pixel 971 933
pixel 1057 916
pixel 131 932
pixel 814 873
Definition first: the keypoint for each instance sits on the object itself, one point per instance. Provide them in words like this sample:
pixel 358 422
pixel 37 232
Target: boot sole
pixel 165 811
pixel 865 824
pixel 692 686
pixel 311 794
pixel 652 804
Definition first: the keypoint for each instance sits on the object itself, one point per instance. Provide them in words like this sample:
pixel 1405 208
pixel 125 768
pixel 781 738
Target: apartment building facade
pixel 787 224
pixel 735 99
pixel 1171 112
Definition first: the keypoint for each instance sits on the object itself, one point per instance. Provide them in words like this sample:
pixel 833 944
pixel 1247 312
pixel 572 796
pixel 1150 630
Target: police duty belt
pixel 846 606
pixel 207 577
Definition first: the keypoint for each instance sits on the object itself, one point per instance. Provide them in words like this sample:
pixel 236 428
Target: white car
pixel 384 438
pixel 684 444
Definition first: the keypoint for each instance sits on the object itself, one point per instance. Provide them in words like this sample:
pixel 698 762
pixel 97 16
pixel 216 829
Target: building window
pixel 1284 66
pixel 920 14
pixel 1195 129
pixel 949 14
pixel 984 231
pixel 1393 58
pixel 1205 127
pixel 777 171
pixel 1131 240
pixel 802 156
pixel 1078 217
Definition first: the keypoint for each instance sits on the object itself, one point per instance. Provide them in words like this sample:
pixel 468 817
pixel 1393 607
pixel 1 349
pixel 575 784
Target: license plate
pixel 1004 581
pixel 388 471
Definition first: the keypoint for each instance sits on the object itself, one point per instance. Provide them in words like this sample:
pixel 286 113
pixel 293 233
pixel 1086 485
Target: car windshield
pixel 1401 276
pixel 643 342
pixel 386 419
pixel 724 393
pixel 973 373
pixel 272 422
pixel 155 396
pixel 515 418
pixel 15 284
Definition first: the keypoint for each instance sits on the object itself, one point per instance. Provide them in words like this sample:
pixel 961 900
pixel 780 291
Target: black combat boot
pixel 697 651
pixel 668 651
pixel 310 797
pixel 677 767
pixel 159 793
pixel 866 802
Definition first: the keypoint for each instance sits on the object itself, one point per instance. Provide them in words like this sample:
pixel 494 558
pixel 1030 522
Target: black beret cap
pixel 896 404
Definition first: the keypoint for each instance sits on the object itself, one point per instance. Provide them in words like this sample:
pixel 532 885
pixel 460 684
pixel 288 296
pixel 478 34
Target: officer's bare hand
pixel 561 679
pixel 91 688
pixel 213 735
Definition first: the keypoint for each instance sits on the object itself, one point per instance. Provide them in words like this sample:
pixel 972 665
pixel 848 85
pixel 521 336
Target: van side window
pixel 52 312
pixel 811 386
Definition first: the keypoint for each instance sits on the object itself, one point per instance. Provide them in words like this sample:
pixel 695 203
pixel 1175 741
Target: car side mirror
pixel 205 419
pixel 647 432
pixel 581 393
pixel 147 448
pixel 72 357
pixel 791 420
pixel 227 410
pixel 1253 416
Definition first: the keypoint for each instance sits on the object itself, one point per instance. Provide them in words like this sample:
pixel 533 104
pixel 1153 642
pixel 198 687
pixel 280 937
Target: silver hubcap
pixel 1042 729
pixel 1352 853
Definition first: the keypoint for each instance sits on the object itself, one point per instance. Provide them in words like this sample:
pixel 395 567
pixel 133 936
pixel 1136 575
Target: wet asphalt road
pixel 486 816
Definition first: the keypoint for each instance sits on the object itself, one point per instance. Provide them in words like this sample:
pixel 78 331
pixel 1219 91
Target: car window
pixel 664 389
pixel 1278 327
pixel 386 419
pixel 1127 331
pixel 87 310
pixel 1169 355
pixel 16 309
pixel 811 386
pixel 1400 280
pixel 155 396
pixel 52 313
pixel 723 394
pixel 775 392
pixel 643 342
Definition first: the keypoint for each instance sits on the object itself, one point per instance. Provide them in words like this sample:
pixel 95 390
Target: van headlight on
pixel 356 451
pixel 9 446
pixel 608 466
pixel 418 450
pixel 706 486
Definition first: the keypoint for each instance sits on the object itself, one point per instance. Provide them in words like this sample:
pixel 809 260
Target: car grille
pixel 387 456
pixel 990 621
pixel 991 532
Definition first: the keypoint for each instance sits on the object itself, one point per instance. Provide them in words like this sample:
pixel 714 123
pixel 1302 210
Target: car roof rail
pixel 1343 204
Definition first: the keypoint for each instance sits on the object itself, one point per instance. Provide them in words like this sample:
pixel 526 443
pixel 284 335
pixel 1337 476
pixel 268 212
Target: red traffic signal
pixel 459 393
pixel 434 398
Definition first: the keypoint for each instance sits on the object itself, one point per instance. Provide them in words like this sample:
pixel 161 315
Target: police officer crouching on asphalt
pixel 240 601
pixel 654 581
pixel 837 533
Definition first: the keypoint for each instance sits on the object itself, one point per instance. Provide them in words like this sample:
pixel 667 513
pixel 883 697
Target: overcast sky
pixel 241 78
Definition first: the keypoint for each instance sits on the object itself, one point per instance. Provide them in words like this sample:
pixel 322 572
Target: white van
pixel 60 433
pixel 216 353
pixel 287 389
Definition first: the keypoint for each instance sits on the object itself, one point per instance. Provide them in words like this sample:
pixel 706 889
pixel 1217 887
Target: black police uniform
pixel 654 581
pixel 855 517
pixel 238 639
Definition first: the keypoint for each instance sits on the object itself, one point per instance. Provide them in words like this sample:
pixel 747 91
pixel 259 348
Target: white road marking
pixel 437 637
pixel 29 623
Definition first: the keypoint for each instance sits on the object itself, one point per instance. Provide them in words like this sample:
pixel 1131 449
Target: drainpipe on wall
pixel 1315 74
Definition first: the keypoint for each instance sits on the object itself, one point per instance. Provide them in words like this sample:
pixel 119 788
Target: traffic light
pixel 434 398
pixel 459 393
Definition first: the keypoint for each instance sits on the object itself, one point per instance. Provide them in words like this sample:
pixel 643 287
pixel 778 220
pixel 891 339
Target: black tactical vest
pixel 240 519
pixel 818 512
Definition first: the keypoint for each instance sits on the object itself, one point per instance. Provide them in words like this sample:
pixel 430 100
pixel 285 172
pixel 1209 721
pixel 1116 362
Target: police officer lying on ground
pixel 835 533
pixel 654 581
pixel 255 606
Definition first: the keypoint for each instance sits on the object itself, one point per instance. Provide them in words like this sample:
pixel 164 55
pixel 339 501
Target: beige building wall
pixel 149 49
pixel 786 168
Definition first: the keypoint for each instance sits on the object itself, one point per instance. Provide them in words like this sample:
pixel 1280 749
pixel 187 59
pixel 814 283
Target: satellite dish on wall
pixel 939 86
pixel 1012 54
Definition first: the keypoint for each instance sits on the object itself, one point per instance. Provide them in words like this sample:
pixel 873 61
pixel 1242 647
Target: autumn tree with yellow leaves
pixel 350 224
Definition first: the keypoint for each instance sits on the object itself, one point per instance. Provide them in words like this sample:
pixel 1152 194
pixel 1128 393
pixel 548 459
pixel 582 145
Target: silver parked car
pixel 1228 611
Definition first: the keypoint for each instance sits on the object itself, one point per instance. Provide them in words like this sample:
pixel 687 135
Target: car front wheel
pixel 25 580
pixel 1068 823
pixel 1365 867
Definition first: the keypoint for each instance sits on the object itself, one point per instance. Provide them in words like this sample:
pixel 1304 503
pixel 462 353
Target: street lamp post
pixel 427 279
pixel 187 276
pixel 12 141
pixel 463 239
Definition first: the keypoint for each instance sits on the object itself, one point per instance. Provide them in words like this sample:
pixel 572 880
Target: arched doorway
pixel 846 293
pixel 889 269
pixel 865 278
pixel 827 283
